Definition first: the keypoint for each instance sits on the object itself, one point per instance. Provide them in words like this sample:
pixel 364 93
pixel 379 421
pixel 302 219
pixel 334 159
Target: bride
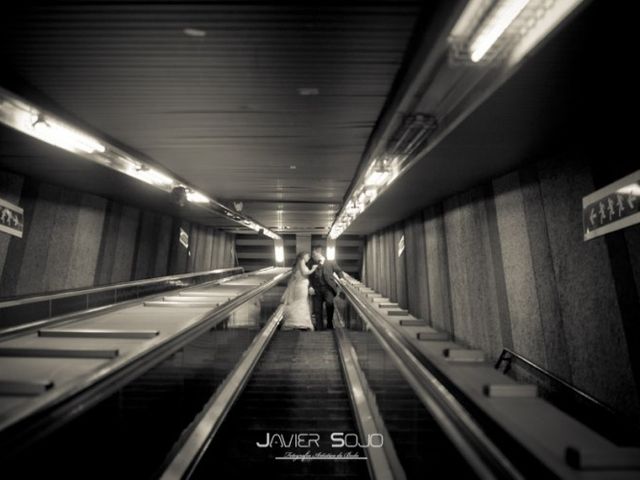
pixel 297 314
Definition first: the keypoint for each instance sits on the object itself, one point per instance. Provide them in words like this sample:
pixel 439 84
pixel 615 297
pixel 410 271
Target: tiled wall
pixel 74 239
pixel 504 265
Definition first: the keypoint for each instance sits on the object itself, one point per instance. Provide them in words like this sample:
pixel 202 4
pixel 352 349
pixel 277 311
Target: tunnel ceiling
pixel 546 108
pixel 270 103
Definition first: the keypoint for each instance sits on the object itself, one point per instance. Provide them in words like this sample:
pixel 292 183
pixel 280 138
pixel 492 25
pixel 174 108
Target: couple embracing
pixel 312 275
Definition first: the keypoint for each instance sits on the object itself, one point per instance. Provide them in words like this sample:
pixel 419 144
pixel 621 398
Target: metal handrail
pixel 195 441
pixel 455 420
pixel 114 286
pixel 507 355
pixel 383 462
pixel 73 316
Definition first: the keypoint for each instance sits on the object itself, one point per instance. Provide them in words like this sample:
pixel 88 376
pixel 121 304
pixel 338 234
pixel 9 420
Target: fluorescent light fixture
pixel 55 133
pixel 279 249
pixel 495 24
pixel 150 176
pixel 156 177
pixel 395 172
pixel 412 134
pixel 353 208
pixel 487 29
pixel 331 249
pixel 377 177
pixel 252 225
pixel 337 230
pixel 197 197
pixel 28 118
pixel 64 137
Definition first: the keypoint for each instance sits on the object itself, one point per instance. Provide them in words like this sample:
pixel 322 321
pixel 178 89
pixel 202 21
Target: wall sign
pixel 11 218
pixel 611 208
pixel 184 239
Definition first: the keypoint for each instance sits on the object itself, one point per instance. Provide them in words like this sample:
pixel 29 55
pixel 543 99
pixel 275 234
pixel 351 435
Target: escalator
pixel 420 444
pixel 297 392
pixel 128 434
pixel 298 414
pixel 125 415
pixel 245 398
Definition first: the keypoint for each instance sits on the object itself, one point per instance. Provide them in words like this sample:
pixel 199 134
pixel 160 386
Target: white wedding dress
pixel 297 314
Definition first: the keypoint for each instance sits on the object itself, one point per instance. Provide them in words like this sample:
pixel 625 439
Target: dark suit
pixel 326 289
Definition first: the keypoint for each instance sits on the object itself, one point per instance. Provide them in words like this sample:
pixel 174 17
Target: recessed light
pixel 194 32
pixel 308 91
pixel 292 167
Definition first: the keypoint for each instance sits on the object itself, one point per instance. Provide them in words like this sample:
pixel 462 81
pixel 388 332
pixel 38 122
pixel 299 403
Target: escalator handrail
pixel 383 463
pixel 57 409
pixel 456 422
pixel 73 316
pixel 184 459
pixel 15 302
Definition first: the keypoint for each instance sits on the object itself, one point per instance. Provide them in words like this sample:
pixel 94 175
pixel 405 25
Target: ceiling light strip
pixel 21 115
pixel 484 30
pixel 413 133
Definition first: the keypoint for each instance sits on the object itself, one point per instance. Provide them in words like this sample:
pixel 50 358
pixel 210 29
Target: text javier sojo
pixel 311 440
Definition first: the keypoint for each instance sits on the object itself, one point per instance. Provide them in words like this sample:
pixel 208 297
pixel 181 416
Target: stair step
pixel 295 395
pixel 297 426
pixel 268 404
pixel 293 389
pixel 294 415
pixel 297 386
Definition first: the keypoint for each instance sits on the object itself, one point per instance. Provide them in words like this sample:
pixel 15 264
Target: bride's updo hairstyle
pixel 299 258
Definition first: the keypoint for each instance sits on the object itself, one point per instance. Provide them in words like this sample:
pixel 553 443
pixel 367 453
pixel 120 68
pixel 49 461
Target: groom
pixel 323 286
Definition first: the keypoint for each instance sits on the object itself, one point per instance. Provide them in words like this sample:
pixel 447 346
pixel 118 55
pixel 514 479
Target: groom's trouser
pixel 323 295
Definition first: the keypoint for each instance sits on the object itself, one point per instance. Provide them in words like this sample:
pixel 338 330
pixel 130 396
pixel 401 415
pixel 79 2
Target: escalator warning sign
pixel 184 238
pixel 11 219
pixel 612 208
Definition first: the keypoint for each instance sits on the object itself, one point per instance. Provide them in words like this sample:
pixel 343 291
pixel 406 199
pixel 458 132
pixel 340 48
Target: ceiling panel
pixel 225 111
pixel 23 154
pixel 293 216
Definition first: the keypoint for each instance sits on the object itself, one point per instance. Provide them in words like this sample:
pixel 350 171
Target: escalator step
pixel 297 387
